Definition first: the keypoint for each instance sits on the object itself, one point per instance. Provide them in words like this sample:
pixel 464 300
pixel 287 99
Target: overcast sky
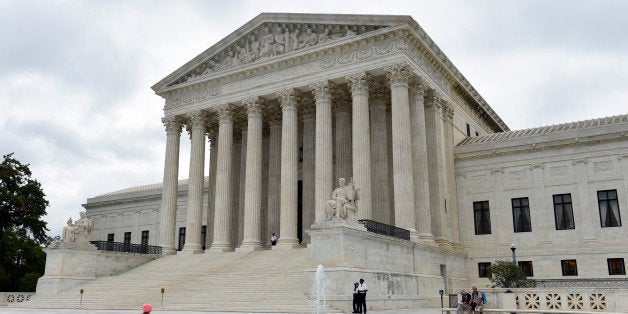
pixel 75 76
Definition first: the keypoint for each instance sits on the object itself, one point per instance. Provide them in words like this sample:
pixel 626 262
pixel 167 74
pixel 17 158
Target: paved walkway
pixel 12 310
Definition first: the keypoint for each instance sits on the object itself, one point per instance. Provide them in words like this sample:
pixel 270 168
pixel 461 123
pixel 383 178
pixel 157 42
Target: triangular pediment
pixel 273 35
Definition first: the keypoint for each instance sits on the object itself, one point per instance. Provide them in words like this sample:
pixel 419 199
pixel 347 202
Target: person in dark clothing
pixel 356 299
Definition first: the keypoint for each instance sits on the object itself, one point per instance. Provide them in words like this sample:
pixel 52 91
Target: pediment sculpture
pixel 272 40
pixel 343 202
pixel 80 231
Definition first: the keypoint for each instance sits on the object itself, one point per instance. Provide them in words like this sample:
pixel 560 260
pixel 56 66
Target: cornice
pixel 457 86
pixel 542 146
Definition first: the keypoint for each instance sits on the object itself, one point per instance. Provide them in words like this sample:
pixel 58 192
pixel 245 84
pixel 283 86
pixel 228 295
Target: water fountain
pixel 319 291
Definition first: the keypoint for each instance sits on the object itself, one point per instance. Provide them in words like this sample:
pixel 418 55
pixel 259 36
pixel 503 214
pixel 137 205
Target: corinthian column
pixel 419 159
pixel 379 153
pixel 450 172
pixel 274 176
pixel 289 160
pixel 398 76
pixel 253 176
pixel 211 193
pixel 196 127
pixel 342 149
pixel 222 208
pixel 434 140
pixel 308 194
pixel 361 144
pixel 323 168
pixel 170 185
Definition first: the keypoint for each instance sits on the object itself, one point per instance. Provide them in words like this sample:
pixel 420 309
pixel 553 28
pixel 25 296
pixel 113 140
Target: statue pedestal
pixel 70 265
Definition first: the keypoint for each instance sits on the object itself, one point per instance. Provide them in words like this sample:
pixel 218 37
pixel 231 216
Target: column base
pixel 191 248
pixel 426 237
pixel 250 248
pixel 168 251
pixel 220 248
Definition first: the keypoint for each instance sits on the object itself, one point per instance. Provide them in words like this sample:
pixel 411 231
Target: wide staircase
pixel 262 281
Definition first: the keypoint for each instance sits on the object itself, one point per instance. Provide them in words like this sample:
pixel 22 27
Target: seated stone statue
pixel 342 204
pixel 79 231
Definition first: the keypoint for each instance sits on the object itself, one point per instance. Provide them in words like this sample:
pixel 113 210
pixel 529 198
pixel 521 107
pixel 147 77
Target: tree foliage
pixel 508 275
pixel 22 230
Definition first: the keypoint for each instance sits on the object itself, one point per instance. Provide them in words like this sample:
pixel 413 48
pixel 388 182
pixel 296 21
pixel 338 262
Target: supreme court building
pixel 290 103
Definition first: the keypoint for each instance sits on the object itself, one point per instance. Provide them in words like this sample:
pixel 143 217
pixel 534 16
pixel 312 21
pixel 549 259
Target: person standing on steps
pixel 356 299
pixel 362 289
pixel 273 239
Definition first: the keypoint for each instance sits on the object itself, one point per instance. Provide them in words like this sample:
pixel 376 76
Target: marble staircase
pixel 262 281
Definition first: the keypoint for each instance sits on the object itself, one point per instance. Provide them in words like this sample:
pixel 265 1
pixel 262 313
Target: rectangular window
pixel 203 235
pixel 616 266
pixel 482 217
pixel 526 266
pixel 127 238
pixel 563 212
pixel 483 269
pixel 110 237
pixel 609 208
pixel 468 130
pixel 569 267
pixel 521 214
pixel 181 238
pixel 145 238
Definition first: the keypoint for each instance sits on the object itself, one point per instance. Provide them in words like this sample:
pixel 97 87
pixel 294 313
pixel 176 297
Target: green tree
pixel 22 230
pixel 508 275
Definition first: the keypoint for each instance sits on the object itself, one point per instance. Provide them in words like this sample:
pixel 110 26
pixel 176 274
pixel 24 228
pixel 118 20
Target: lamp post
pixel 514 256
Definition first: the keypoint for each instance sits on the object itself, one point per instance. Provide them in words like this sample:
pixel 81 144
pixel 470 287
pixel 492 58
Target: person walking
pixel 362 289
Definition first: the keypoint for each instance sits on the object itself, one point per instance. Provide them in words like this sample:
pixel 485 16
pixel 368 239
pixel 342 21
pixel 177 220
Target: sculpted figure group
pixel 79 231
pixel 269 44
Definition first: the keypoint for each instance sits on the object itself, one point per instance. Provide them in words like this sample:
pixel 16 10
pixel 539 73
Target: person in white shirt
pixel 273 239
pixel 362 289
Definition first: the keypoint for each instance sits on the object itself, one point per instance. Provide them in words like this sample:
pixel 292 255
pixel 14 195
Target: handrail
pixel 388 230
pixel 127 247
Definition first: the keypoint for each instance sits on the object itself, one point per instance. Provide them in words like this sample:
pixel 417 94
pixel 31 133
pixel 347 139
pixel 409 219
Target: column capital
pixel 225 113
pixel 432 99
pixel 359 82
pixel 288 98
pixel 448 111
pixel 173 124
pixel 253 106
pixel 380 94
pixel 308 107
pixel 196 119
pixel 323 90
pixel 418 86
pixel 398 74
pixel 342 101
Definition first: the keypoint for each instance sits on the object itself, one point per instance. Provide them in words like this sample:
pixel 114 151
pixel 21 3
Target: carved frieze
pixel 603 166
pixel 273 39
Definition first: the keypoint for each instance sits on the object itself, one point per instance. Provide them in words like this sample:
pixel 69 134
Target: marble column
pixel 434 123
pixel 379 153
pixel 196 127
pixel 391 189
pixel 450 173
pixel 289 171
pixel 398 75
pixel 241 185
pixel 309 190
pixel 274 177
pixel 253 176
pixel 323 169
pixel 211 189
pixel 170 185
pixel 343 148
pixel 361 143
pixel 419 159
pixel 236 156
pixel 223 211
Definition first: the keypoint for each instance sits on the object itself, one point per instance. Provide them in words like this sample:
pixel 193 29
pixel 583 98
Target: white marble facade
pixel 289 103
